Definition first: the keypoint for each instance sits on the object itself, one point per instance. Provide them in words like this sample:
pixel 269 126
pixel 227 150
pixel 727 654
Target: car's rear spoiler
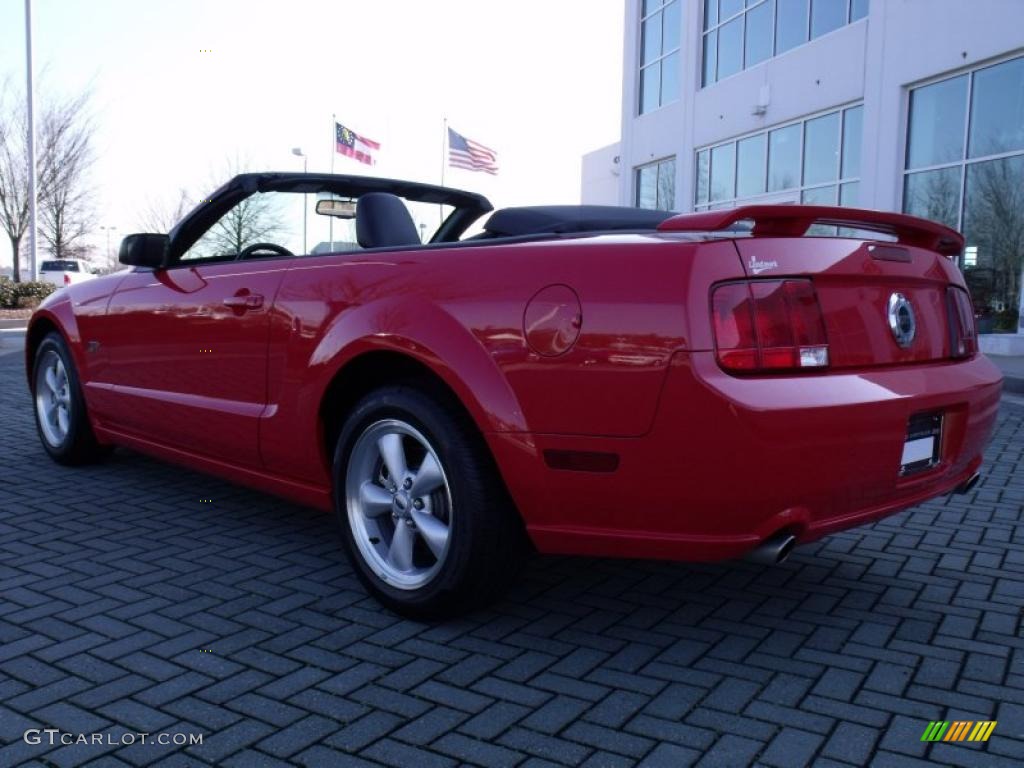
pixel 795 220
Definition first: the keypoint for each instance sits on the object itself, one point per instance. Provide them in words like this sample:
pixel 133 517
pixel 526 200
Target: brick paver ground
pixel 128 605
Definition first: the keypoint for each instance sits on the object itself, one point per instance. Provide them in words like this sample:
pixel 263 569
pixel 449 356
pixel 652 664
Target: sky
pixel 183 89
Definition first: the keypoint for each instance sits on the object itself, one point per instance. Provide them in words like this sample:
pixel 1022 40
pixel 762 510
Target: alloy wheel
pixel 399 504
pixel 53 399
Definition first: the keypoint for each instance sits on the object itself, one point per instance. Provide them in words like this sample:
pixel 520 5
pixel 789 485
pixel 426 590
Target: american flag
pixel 471 155
pixel 351 144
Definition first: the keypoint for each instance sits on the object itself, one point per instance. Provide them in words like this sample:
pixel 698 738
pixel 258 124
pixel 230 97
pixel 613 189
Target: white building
pixel 913 105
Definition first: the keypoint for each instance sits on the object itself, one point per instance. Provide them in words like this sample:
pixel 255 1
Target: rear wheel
pixel 61 418
pixel 426 520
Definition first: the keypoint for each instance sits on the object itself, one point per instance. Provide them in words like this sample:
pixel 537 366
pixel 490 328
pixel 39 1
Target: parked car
pixel 586 380
pixel 63 272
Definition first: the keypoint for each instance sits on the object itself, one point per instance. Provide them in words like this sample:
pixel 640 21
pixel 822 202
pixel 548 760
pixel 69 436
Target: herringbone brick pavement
pixel 129 606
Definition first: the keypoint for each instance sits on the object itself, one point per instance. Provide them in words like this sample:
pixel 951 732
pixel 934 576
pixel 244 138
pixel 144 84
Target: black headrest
pixel 383 221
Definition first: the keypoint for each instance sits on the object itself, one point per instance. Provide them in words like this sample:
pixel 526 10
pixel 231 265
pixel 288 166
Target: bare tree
pixel 66 198
pixel 62 160
pixel 254 220
pixel 14 211
pixel 161 215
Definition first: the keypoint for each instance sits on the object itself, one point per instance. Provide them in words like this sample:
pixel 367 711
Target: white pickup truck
pixel 63 272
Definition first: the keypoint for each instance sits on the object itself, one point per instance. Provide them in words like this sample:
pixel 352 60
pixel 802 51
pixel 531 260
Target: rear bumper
pixel 731 461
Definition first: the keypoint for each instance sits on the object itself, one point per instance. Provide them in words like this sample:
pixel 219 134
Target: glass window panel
pixel 993 221
pixel 933 195
pixel 821 149
pixel 647 187
pixel 849 194
pixel 729 8
pixel 651 39
pixel 937 123
pixel 710 56
pixel 853 120
pixel 703 175
pixel 858 9
pixel 710 13
pixel 819 196
pixel 672 24
pixel 723 172
pixel 790 25
pixel 759 34
pixel 667 185
pixel 670 78
pixel 650 88
pixel 997 109
pixel 730 48
pixel 651 5
pixel 827 15
pixel 784 158
pixel 750 165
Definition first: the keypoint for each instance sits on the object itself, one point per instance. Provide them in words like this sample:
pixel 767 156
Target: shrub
pixel 8 298
pixel 1007 320
pixel 20 295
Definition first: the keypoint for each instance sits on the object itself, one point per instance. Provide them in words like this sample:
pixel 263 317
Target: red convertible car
pixel 592 380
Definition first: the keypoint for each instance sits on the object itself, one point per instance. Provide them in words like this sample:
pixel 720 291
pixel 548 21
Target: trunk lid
pixel 860 285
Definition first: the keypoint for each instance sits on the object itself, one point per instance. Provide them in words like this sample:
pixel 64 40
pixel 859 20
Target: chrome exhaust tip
pixel 968 485
pixel 773 550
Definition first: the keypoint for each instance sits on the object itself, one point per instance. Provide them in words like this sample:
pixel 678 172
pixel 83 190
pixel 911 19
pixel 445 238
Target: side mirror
pixel 144 250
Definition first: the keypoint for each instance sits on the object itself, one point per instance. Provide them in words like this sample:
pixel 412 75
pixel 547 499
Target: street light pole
pixel 109 259
pixel 33 222
pixel 297 151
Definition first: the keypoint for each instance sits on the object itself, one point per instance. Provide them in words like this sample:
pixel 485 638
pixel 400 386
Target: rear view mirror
pixel 144 250
pixel 341 209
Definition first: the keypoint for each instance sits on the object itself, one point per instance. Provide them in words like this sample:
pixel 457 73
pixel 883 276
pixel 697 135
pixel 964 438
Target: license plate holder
pixel 923 442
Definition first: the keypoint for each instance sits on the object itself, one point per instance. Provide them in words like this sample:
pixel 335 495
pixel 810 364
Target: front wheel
pixel 61 419
pixel 426 521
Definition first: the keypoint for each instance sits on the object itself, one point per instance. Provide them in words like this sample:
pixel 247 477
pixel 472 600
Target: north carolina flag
pixel 351 144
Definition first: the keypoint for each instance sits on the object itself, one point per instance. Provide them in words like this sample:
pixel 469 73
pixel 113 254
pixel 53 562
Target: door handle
pixel 246 301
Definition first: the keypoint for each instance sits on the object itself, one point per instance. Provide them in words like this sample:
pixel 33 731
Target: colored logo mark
pixel 959 730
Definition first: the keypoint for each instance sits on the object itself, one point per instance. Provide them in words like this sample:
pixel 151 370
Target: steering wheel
pixel 249 250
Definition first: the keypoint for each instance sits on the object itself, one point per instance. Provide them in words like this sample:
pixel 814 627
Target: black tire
pixel 79 444
pixel 486 540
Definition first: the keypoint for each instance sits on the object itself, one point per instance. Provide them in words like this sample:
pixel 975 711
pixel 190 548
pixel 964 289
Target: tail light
pixel 67 279
pixel 962 334
pixel 768 325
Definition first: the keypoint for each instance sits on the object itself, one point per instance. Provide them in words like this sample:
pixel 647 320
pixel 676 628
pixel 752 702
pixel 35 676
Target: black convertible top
pixel 541 219
pixel 468 206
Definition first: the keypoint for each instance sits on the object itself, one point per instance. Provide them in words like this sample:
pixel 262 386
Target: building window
pixel 815 160
pixel 965 167
pixel 660 28
pixel 656 185
pixel 738 34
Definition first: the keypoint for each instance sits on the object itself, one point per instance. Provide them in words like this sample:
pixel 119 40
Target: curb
pixel 1014 384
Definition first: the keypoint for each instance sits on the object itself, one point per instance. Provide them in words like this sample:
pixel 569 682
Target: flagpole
pixel 444 147
pixel 444 150
pixel 334 150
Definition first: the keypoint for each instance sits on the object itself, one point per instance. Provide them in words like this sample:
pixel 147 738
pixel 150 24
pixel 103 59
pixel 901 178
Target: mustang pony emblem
pixel 901 318
pixel 757 266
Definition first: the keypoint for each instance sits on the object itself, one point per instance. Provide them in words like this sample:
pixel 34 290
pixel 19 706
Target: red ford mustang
pixel 602 381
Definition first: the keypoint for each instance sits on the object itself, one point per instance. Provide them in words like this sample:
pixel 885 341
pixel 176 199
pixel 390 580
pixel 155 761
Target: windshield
pixel 62 265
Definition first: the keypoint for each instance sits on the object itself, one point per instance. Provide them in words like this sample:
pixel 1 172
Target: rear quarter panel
pixel 461 311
